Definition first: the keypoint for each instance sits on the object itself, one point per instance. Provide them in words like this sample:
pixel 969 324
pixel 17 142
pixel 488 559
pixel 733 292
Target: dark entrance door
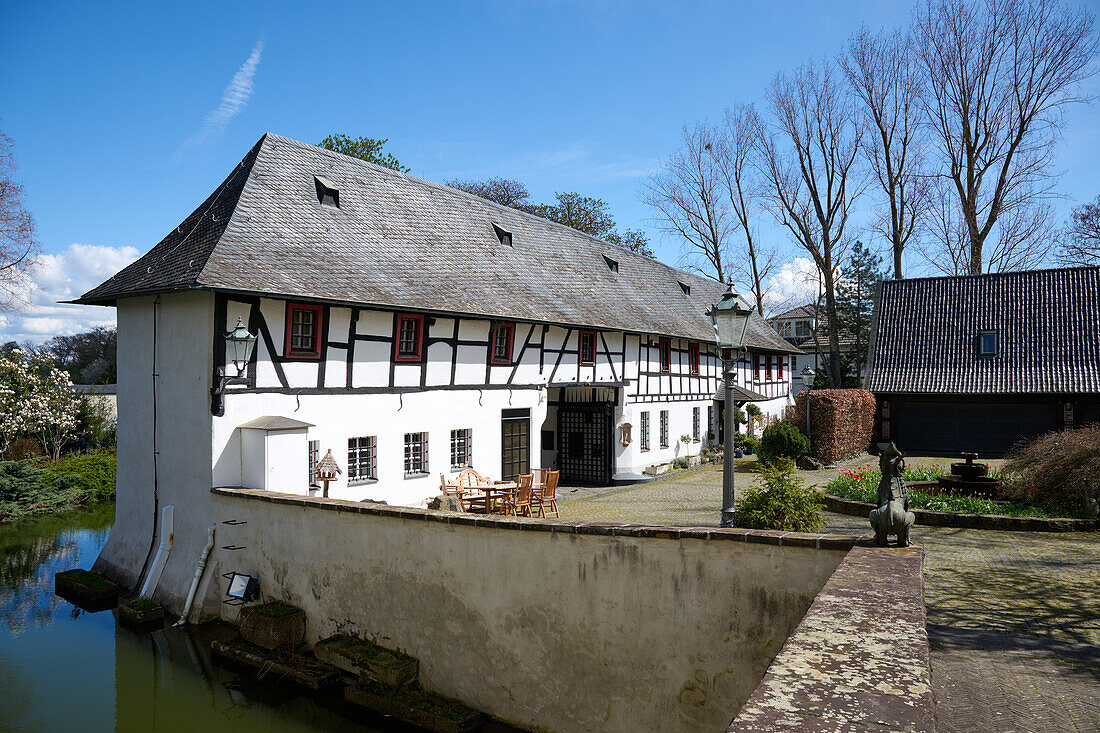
pixel 584 442
pixel 515 442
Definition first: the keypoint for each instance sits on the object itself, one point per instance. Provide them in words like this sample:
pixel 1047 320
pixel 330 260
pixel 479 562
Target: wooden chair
pixel 519 501
pixel 547 494
pixel 540 476
pixel 468 486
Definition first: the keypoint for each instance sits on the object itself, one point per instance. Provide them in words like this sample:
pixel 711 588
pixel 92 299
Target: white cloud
pixel 795 284
pixel 65 276
pixel 234 99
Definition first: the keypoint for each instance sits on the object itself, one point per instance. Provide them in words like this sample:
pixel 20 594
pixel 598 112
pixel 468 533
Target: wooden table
pixel 488 498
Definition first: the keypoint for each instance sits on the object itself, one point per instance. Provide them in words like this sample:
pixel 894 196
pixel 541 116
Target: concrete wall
pixel 545 624
pixel 180 470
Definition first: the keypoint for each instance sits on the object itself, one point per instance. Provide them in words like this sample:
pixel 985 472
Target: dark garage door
pixel 987 428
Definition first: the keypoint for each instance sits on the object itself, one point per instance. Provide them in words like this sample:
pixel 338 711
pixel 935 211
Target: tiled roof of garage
pixel 398 241
pixel 925 334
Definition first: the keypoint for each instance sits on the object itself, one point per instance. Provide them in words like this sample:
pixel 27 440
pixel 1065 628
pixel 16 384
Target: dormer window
pixel 503 235
pixel 612 265
pixel 987 343
pixel 685 287
pixel 327 193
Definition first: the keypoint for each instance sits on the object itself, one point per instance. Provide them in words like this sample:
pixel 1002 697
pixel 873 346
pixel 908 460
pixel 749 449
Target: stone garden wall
pixel 552 624
pixel 842 421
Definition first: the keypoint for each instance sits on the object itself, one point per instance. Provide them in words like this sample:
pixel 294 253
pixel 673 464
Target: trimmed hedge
pixel 781 440
pixel 843 422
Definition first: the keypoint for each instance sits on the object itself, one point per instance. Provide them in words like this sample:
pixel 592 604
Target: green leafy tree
pixel 855 301
pixel 503 191
pixel 633 239
pixel 364 148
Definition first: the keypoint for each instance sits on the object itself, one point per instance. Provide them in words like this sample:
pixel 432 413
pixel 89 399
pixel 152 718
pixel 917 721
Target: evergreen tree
pixel 855 302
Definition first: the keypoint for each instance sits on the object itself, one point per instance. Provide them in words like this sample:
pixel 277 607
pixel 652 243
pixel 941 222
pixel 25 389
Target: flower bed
pixel 861 484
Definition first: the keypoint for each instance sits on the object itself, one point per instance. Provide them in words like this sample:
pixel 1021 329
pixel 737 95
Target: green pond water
pixel 63 669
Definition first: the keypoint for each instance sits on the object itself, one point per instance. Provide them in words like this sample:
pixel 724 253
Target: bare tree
pixel 733 150
pixel 18 246
pixel 999 75
pixel 688 198
pixel 807 155
pixel 1080 240
pixel 882 73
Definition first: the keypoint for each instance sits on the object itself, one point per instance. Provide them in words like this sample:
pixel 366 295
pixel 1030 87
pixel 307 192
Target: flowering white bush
pixel 36 397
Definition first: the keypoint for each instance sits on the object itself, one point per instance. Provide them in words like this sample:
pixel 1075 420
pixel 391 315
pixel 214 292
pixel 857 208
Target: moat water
pixel 64 669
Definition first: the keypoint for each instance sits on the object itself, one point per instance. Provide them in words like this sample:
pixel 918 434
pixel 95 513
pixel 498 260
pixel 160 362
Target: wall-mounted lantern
pixel 624 434
pixel 239 344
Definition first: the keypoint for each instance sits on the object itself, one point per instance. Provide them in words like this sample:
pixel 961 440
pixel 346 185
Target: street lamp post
pixel 808 375
pixel 731 320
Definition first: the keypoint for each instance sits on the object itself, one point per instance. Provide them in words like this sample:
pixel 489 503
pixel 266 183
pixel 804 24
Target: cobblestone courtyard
pixel 1013 617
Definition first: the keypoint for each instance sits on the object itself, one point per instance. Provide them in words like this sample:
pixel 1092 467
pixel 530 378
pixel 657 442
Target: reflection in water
pixel 64 669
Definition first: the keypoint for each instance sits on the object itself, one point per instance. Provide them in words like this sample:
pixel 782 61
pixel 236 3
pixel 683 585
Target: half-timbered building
pixel 411 329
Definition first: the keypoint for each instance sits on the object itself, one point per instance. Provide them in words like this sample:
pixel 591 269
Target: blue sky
pixel 114 109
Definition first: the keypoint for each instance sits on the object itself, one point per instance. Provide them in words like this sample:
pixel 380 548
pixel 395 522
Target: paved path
pixel 1013 617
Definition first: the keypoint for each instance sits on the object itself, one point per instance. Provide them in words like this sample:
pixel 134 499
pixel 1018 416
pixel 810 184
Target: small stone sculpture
pixel 893 515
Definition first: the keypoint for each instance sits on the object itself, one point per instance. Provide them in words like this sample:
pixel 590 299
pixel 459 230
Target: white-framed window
pixel 416 454
pixel 362 460
pixel 802 329
pixel 314 457
pixel 664 428
pixel 461 450
pixel 695 423
pixel 784 328
pixel 645 431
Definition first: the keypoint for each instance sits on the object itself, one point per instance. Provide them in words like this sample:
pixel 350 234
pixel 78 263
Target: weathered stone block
pixel 445 503
pixel 301 669
pixel 415 707
pixel 138 611
pixel 368 660
pixel 272 625
pixel 85 589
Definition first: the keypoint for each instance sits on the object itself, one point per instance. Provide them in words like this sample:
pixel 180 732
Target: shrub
pixel 783 502
pixel 1059 469
pixel 93 474
pixel 781 440
pixel 750 443
pixel 24 490
pixel 753 410
pixel 680 463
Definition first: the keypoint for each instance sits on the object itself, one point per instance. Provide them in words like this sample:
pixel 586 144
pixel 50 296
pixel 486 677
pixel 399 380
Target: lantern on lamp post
pixel 808 375
pixel 730 317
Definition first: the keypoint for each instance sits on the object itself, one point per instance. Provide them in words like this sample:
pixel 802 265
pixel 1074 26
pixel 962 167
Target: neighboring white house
pixel 410 328
pixel 805 328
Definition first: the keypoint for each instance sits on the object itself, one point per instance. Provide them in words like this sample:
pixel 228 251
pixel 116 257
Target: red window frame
pixel 511 329
pixel 664 348
pixel 693 358
pixel 318 313
pixel 580 348
pixel 399 319
pixel 779 365
pixel 756 367
pixel 768 367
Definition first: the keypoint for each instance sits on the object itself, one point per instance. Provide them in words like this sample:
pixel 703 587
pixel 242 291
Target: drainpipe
pixel 166 536
pixel 199 569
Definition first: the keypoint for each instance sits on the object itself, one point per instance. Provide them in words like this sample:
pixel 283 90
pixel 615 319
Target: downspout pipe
pixel 166 536
pixel 200 568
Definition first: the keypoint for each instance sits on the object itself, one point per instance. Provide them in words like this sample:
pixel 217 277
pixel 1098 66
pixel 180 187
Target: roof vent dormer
pixel 327 193
pixel 612 265
pixel 503 235
pixel 684 286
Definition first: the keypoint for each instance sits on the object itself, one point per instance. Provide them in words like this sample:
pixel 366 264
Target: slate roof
pixel 397 241
pixel 810 344
pixel 925 332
